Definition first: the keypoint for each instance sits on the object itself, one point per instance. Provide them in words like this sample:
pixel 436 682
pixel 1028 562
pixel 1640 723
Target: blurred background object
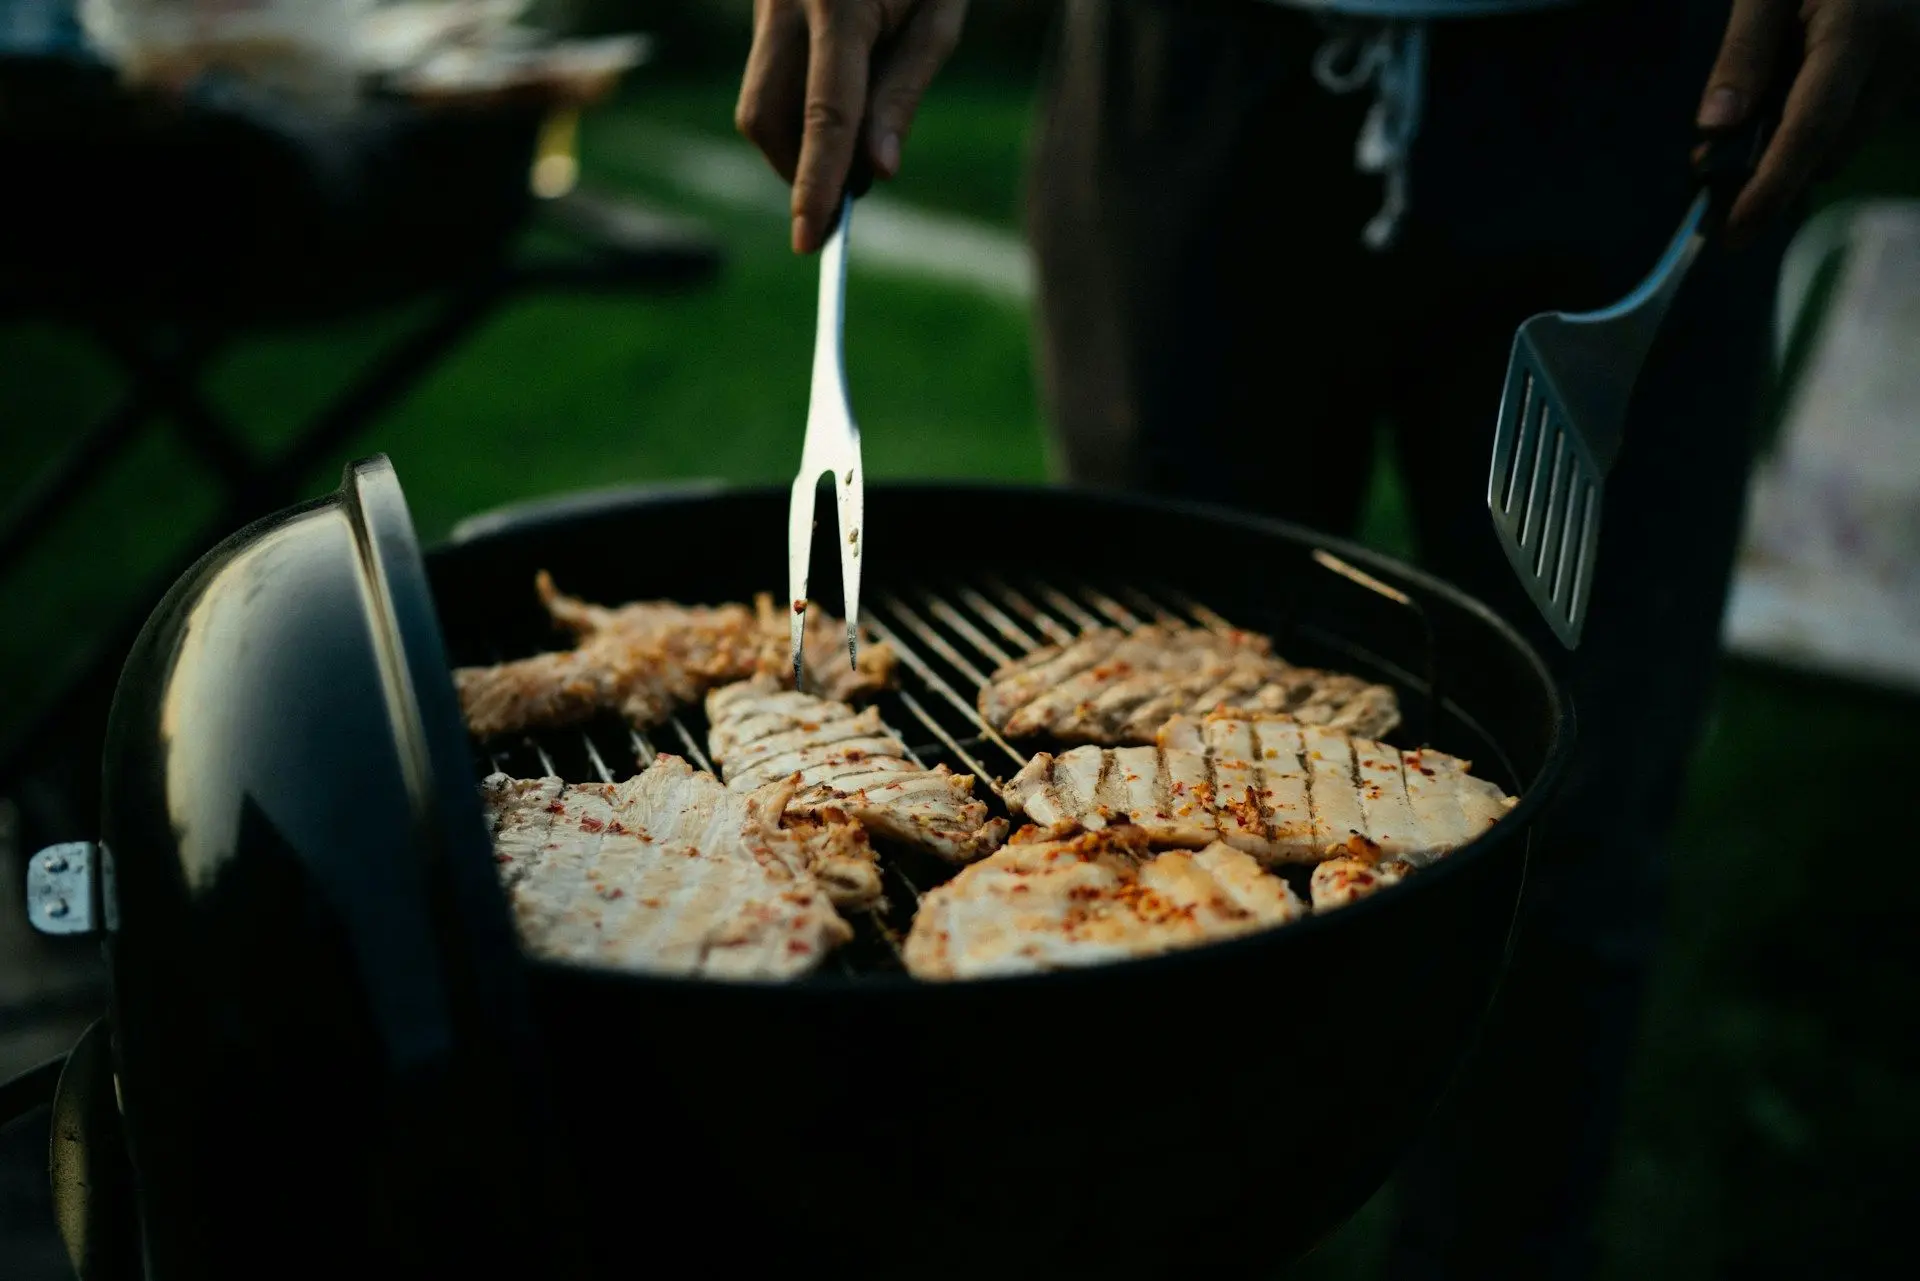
pixel 299 47
pixel 1776 1098
pixel 1831 576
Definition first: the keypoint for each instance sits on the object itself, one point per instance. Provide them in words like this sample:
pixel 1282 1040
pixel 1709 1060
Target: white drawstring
pixel 1392 57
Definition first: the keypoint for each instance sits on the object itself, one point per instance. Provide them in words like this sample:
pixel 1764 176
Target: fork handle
pixel 1730 156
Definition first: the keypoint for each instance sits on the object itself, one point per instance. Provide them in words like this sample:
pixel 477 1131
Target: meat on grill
pixel 1113 687
pixel 648 658
pixel 847 763
pixel 668 872
pixel 1098 897
pixel 1280 791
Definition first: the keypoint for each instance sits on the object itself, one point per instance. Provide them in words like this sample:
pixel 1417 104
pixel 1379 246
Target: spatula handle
pixel 1729 157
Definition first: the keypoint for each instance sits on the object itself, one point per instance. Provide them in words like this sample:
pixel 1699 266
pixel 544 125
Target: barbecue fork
pixel 832 445
pixel 1570 379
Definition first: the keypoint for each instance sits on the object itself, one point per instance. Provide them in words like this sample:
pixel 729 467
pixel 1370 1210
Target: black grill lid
pixel 316 988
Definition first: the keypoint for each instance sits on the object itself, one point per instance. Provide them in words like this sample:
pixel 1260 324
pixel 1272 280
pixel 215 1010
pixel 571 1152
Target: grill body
pixel 1209 1113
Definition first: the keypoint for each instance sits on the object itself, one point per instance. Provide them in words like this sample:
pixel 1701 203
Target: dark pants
pixel 1211 326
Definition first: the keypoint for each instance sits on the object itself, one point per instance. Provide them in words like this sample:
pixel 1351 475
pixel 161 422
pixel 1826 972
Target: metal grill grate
pixel 949 641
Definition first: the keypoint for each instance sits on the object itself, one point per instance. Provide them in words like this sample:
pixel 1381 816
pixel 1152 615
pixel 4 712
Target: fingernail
pixel 802 234
pixel 890 154
pixel 1721 109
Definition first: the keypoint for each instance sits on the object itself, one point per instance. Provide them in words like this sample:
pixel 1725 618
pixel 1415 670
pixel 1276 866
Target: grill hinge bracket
pixel 70 890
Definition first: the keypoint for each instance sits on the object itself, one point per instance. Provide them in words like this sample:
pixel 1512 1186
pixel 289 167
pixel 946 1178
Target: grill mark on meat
pixel 1115 688
pixel 1383 799
pixel 871 778
pixel 1043 905
pixel 669 872
pixel 1286 786
pixel 1238 782
pixel 856 755
pixel 1025 679
pixel 764 750
pixel 1334 796
pixel 1365 812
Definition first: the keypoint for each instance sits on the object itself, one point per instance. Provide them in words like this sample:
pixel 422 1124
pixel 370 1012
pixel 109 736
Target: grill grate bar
pixel 1027 610
pixel 1116 613
pixel 1155 609
pixel 594 759
pixel 998 619
pixel 643 752
pixel 952 745
pixel 939 685
pixel 877 921
pixel 1071 630
pixel 546 761
pixel 693 746
pixel 934 640
pixel 960 623
pixel 1068 608
pixel 1206 617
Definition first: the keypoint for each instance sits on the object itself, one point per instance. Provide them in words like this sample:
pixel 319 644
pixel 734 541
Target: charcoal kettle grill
pixel 326 1055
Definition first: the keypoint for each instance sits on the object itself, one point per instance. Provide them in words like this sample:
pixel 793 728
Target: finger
pixel 919 51
pixel 836 99
pixel 1818 109
pixel 773 90
pixel 1749 52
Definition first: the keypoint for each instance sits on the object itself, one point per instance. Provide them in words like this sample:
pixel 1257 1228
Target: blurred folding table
pixel 169 230
pixel 1829 575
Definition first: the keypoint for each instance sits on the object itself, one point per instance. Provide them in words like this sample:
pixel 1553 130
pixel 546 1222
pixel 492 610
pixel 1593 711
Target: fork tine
pixel 799 552
pixel 850 488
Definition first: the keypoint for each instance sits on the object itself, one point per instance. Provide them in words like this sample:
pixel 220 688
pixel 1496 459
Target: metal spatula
pixel 1569 382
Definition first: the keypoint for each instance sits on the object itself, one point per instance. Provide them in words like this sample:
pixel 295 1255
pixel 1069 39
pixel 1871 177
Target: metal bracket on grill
pixel 70 889
pixel 1354 574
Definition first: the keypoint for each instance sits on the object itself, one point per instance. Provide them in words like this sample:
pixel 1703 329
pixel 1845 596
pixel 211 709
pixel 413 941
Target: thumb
pixel 1749 55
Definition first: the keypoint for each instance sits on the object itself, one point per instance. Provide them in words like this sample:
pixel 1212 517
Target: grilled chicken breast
pixel 1115 687
pixel 1279 791
pixel 1101 896
pixel 845 763
pixel 647 658
pixel 666 873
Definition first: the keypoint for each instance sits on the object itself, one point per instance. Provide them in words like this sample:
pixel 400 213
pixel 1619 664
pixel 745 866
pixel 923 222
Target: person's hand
pixel 1844 46
pixel 826 77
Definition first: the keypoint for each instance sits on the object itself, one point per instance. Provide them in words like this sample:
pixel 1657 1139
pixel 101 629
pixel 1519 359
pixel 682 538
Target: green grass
pixel 1774 1100
pixel 966 154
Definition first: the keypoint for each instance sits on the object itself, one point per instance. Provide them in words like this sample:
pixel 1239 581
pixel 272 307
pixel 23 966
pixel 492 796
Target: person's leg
pixel 1202 327
pixel 1508 1180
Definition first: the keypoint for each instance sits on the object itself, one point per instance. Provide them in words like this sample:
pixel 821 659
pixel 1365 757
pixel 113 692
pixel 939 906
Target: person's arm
pixel 1845 44
pixel 827 77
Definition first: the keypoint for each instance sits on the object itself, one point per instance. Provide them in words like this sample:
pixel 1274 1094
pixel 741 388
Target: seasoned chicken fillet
pixel 845 764
pixel 1279 791
pixel 648 658
pixel 666 873
pixel 1115 687
pixel 1102 896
